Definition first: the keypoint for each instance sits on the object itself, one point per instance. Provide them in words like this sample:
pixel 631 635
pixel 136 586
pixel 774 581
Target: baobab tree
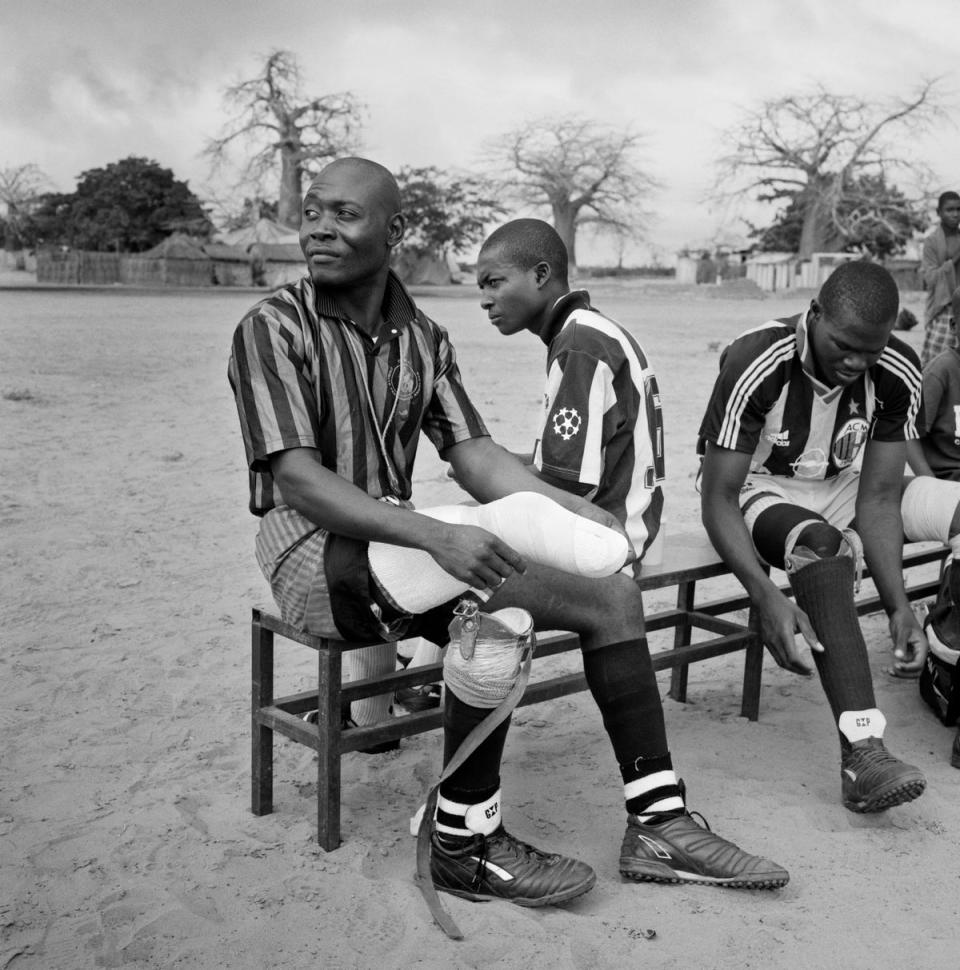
pixel 585 172
pixel 21 187
pixel 819 150
pixel 274 119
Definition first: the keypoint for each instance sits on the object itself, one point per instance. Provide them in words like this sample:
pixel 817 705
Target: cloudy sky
pixel 87 82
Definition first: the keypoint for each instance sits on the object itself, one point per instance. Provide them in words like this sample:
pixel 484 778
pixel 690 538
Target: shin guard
pixel 824 591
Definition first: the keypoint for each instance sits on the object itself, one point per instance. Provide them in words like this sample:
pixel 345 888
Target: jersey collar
pixel 397 309
pixel 805 353
pixel 574 300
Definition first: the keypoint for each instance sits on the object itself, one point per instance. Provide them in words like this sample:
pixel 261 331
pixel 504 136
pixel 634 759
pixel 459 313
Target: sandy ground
pixel 127 580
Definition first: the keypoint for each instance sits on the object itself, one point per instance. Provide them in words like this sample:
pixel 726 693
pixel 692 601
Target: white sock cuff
pixel 673 804
pixel 859 725
pixel 483 818
pixel 640 786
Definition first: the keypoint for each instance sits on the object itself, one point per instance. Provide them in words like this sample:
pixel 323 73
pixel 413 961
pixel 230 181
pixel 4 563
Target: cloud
pixel 88 83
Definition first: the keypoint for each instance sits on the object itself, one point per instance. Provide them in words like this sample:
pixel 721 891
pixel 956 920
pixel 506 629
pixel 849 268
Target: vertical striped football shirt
pixel 603 425
pixel 304 376
pixel 767 403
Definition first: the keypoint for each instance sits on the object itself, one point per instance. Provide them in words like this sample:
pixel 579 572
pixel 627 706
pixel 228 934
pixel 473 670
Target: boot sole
pixel 883 799
pixel 658 872
pixel 562 896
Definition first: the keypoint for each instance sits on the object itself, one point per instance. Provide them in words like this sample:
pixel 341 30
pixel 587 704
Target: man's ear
pixel 814 308
pixel 396 227
pixel 542 274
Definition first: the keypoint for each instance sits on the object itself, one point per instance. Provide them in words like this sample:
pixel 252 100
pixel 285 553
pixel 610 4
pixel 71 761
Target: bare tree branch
pixel 585 172
pixel 272 117
pixel 821 144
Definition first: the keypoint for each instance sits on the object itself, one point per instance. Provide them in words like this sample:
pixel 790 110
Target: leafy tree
pixel 21 187
pixel 271 117
pixel 127 206
pixel 585 172
pixel 445 212
pixel 823 150
pixel 879 220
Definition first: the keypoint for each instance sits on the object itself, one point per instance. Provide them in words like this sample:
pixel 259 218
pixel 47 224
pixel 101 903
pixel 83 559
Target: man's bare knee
pixel 617 612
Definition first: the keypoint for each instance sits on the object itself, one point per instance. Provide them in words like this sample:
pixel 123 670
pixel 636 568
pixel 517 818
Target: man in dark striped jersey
pixel 803 445
pixel 335 376
pixel 602 438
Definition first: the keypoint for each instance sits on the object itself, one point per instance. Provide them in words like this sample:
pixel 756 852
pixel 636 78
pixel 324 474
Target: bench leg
pixel 261 760
pixel 329 675
pixel 686 592
pixel 752 671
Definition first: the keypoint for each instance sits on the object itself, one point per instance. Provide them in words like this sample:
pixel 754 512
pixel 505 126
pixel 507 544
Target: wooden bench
pixel 688 560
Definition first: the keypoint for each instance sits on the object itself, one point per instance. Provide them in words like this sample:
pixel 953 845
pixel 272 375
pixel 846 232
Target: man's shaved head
pixel 349 224
pixel 373 176
pixel 526 242
pixel 866 291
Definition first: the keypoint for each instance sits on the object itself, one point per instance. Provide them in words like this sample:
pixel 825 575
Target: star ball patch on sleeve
pixel 566 423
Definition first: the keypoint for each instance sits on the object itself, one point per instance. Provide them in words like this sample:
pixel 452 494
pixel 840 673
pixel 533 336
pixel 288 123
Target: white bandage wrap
pixel 927 507
pixel 532 524
pixel 486 678
pixel 859 725
pixel 762 502
pixel 365 663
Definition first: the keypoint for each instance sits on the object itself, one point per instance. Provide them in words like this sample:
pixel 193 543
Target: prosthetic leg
pixel 462 846
pixel 823 564
pixel 536 526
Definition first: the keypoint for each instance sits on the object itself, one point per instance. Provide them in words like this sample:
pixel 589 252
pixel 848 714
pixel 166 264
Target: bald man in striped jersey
pixel 335 377
pixel 804 443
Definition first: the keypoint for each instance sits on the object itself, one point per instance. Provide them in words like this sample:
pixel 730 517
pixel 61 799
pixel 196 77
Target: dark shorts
pixel 360 610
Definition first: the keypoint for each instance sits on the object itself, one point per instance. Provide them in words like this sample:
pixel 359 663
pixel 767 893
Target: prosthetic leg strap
pixel 469 744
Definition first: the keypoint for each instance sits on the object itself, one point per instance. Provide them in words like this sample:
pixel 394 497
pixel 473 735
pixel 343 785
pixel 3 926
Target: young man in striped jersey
pixel 803 442
pixel 602 439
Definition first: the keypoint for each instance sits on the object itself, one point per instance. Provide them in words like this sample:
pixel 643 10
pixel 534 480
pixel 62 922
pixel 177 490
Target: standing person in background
pixel 938 268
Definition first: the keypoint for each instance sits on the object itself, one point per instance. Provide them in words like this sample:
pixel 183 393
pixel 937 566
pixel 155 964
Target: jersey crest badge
pixel 566 423
pixel 849 440
pixel 405 382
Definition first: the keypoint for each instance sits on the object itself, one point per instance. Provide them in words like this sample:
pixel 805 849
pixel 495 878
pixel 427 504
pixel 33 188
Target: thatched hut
pixel 177 261
pixel 275 264
pixel 232 265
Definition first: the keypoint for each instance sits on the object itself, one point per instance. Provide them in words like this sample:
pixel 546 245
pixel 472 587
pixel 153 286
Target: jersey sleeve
pixel 450 415
pixel 899 388
pixel 742 393
pixel 273 387
pixel 580 404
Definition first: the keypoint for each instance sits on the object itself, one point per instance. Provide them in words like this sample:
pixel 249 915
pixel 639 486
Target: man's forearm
pixel 334 504
pixel 917 460
pixel 488 472
pixel 881 530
